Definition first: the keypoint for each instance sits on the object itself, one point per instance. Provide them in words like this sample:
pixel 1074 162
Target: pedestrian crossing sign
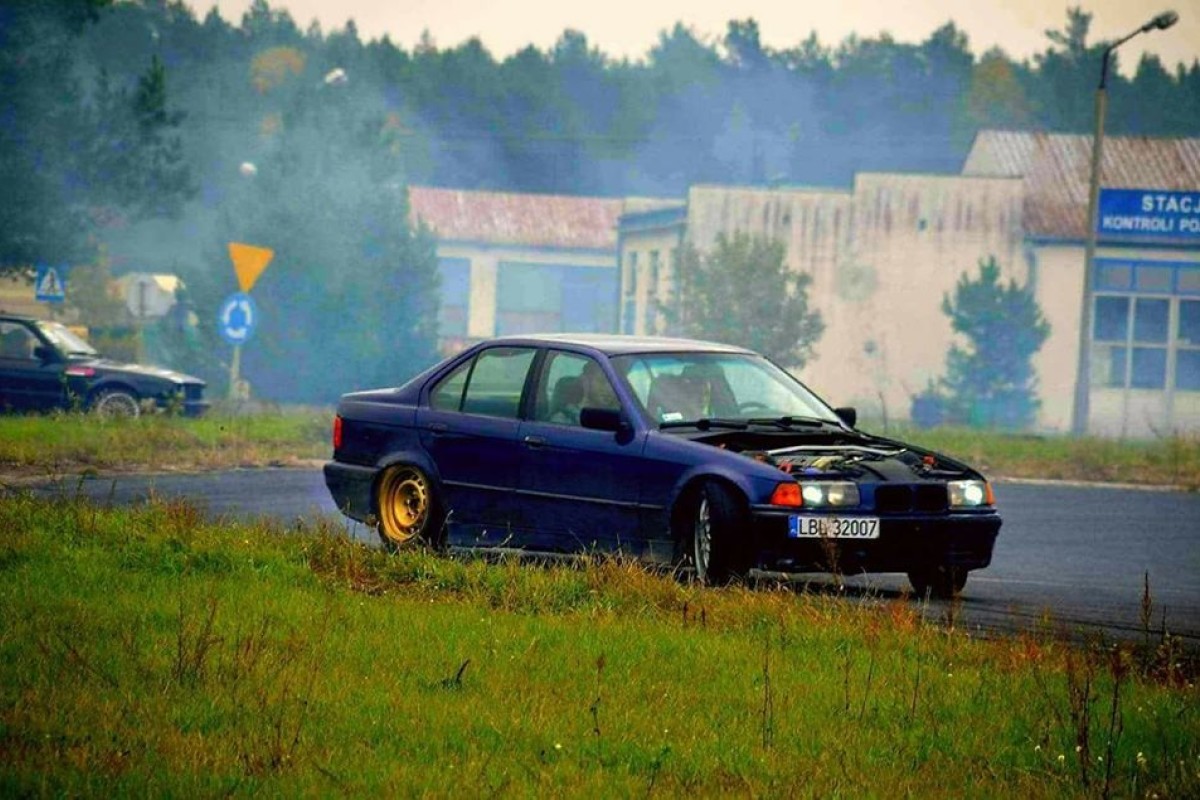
pixel 50 286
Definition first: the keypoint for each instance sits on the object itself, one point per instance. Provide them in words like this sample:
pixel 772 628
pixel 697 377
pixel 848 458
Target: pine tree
pixel 990 381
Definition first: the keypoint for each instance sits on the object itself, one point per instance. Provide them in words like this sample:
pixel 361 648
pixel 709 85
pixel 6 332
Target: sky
pixel 629 28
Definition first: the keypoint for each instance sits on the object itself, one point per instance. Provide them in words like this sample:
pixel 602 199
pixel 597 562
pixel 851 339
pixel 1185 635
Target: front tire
pixel 710 539
pixel 941 582
pixel 113 403
pixel 407 509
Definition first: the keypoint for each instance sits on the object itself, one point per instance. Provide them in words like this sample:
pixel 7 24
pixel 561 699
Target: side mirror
pixel 45 353
pixel 847 415
pixel 602 419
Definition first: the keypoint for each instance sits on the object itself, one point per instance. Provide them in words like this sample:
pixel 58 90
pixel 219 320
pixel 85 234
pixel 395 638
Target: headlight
pixel 831 494
pixel 969 494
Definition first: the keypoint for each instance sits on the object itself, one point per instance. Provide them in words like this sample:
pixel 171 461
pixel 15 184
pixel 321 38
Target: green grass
pixel 1172 460
pixel 72 443
pixel 147 651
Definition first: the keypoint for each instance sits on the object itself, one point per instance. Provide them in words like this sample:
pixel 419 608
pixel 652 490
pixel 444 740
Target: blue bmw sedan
pixel 705 457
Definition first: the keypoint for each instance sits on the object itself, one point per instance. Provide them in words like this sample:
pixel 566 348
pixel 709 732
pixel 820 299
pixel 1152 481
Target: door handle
pixel 438 427
pixel 534 441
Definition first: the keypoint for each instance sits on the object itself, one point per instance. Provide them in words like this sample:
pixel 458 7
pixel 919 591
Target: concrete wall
pixel 881 257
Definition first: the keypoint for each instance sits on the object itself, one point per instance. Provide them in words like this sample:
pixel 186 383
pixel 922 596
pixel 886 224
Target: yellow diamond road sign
pixel 249 262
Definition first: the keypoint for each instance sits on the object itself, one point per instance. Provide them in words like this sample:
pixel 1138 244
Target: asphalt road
pixel 1076 556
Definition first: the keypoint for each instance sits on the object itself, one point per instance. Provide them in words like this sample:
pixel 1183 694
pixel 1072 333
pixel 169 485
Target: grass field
pixel 74 443
pixel 147 651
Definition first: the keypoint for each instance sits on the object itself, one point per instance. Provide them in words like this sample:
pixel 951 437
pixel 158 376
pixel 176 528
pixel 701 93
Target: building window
pixel 1145 330
pixel 673 259
pixel 631 274
pixel 454 275
pixel 547 298
pixel 629 317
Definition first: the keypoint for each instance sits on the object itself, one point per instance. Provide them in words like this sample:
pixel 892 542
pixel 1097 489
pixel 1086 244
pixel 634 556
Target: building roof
pixel 537 220
pixel 1056 170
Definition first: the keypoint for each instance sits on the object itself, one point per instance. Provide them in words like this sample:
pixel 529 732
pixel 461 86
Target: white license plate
pixel 812 527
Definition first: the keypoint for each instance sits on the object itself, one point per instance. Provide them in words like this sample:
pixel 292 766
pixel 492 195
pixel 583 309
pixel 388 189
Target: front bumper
pixel 351 487
pixel 906 542
pixel 196 408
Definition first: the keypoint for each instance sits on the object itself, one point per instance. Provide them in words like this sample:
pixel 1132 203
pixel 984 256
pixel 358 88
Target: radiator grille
pixel 927 498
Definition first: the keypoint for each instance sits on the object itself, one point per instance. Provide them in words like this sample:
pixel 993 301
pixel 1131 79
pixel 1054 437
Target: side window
pixel 16 341
pixel 570 383
pixel 447 395
pixel 496 382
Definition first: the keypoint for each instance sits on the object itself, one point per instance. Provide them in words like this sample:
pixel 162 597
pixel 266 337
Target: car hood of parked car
pixel 106 365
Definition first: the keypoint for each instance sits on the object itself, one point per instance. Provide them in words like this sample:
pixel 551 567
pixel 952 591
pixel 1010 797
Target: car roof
pixel 618 344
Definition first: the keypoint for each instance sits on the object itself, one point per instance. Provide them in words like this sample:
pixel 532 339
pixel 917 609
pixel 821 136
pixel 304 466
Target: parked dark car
pixel 44 366
pixel 697 455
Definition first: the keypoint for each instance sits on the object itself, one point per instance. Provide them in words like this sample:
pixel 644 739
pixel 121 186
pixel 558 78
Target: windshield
pixel 682 387
pixel 65 341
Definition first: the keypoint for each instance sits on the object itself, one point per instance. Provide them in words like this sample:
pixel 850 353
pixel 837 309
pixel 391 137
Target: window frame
pixel 471 363
pixel 1134 295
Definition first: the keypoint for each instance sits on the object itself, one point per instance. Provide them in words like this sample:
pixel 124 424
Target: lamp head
pixel 1163 21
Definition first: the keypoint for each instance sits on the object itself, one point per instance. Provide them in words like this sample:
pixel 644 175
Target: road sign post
pixel 236 320
pixel 50 286
pixel 238 315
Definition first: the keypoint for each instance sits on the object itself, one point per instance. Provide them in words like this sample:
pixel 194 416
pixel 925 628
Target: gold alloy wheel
pixel 404 504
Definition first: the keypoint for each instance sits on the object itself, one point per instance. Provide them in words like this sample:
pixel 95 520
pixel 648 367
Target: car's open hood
pixel 838 454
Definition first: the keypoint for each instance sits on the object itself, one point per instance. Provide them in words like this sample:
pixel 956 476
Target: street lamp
pixel 1083 376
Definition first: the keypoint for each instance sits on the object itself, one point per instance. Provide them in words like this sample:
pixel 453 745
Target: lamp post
pixel 1083 376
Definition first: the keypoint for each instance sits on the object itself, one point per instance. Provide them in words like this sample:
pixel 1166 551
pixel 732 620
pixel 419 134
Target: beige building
pixel 881 255
pixel 520 263
pixel 1145 340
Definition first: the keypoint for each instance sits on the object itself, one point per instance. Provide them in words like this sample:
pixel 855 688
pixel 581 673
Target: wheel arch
pixel 404 458
pixel 112 385
pixel 691 483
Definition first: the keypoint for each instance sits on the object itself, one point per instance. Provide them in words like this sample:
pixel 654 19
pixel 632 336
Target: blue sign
pixel 50 286
pixel 1148 213
pixel 237 318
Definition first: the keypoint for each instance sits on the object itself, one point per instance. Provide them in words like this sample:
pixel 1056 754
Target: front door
pixel 578 488
pixel 27 383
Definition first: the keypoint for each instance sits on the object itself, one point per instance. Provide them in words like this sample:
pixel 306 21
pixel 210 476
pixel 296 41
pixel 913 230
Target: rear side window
pixel 491 384
pixel 447 395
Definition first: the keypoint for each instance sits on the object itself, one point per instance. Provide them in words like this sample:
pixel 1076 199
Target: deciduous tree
pixel 742 292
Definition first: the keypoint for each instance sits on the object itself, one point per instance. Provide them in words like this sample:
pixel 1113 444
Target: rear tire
pixel 407 509
pixel 711 534
pixel 941 581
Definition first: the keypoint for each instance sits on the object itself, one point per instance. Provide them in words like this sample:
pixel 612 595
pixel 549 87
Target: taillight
pixel 337 432
pixel 787 494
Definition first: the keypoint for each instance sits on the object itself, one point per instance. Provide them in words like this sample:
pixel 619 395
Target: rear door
pixel 469 427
